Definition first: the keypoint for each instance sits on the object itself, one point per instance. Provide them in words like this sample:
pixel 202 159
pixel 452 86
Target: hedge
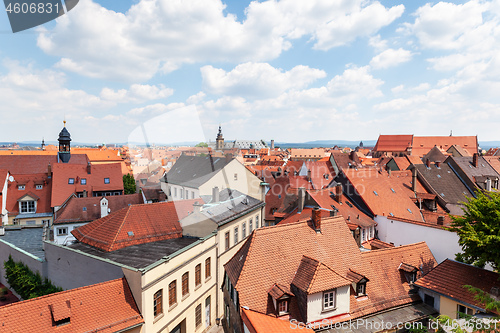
pixel 26 283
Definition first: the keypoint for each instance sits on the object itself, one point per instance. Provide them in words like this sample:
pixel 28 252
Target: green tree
pixel 479 230
pixel 128 184
pixel 202 144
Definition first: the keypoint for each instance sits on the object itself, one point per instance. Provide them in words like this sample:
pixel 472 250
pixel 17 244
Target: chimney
pixel 428 163
pixel 488 184
pixel 215 194
pixel 316 218
pixel 272 144
pixel 475 160
pixel 49 170
pixel 352 155
pixel 104 207
pixel 440 220
pixel 197 207
pixel 338 192
pixel 414 179
pixel 308 175
pixel 438 164
pixel 85 193
pixel 89 168
pixel 388 169
pixel 302 199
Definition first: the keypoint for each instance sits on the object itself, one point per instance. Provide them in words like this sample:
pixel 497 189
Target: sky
pixel 291 70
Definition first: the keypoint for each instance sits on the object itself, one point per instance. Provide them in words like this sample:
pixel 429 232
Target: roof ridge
pixel 314 275
pixel 394 248
pixel 63 292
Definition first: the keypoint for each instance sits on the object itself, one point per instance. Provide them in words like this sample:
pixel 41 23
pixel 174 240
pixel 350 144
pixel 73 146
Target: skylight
pixel 391 214
pixel 439 176
pixel 393 190
pixel 130 233
pixel 409 210
pixel 375 193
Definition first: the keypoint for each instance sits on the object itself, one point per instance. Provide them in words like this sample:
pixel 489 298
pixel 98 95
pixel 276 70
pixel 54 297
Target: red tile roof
pixel 135 224
pixel 422 144
pixel 450 277
pixel 313 277
pixel 89 209
pixel 253 271
pixel 35 164
pixel 61 189
pixel 393 143
pixel 261 323
pixel 383 196
pixel 104 307
pixel 42 196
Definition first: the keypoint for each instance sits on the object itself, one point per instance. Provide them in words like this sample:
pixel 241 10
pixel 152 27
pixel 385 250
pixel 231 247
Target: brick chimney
pixel 49 171
pixel 316 219
pixel 89 168
pixel 352 155
pixel 428 163
pixel 309 175
pixel 438 164
pixel 440 220
pixel 414 179
pixel 302 199
pixel 338 193
pixel 215 194
pixel 475 160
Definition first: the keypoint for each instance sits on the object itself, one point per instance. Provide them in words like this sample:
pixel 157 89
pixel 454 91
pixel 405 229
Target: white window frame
pixel 71 181
pixel 283 307
pixel 329 300
pixel 243 230
pixel 236 235
pixel 39 187
pixel 21 187
pixel 27 209
pixel 62 231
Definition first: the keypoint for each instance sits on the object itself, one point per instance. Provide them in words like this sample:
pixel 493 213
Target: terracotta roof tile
pixel 393 143
pixel 422 144
pixel 260 323
pixel 105 307
pixel 135 224
pixel 450 277
pixel 313 276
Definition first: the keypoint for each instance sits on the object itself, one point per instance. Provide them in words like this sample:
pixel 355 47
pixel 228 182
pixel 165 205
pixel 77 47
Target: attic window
pixel 439 176
pixel 391 214
pixel 106 180
pixel 361 288
pixel 20 187
pixel 71 180
pixel 39 187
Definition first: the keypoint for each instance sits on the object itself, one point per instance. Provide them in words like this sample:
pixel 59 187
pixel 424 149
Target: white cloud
pixel 390 58
pixel 137 93
pixel 161 35
pixel 257 80
pixel 447 25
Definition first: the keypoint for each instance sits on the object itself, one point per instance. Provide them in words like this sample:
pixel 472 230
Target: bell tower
pixel 64 145
pixel 219 141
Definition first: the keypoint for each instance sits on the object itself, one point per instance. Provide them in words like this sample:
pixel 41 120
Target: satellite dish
pixel 11 179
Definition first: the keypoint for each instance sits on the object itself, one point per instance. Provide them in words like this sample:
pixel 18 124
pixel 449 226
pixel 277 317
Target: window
pixel 172 293
pixel 463 310
pixel 157 302
pixel 71 180
pixel 198 315
pixel 207 268
pixel 250 226
pixel 175 192
pixel 20 187
pixel 429 300
pixel 28 206
pixel 182 193
pixel 243 230
pixel 256 221
pixel 361 289
pixel 235 176
pixel 185 284
pixel 227 240
pixel 329 300
pixel 83 181
pixel 39 187
pixel 236 235
pixel 106 180
pixel 197 275
pixel 62 231
pixel 282 307
pixel 363 235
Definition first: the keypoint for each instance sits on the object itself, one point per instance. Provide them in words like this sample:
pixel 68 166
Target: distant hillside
pixel 325 143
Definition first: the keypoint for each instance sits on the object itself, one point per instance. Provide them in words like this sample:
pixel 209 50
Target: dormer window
pixel 410 272
pixel 21 187
pixel 106 180
pixel 361 288
pixel 282 307
pixel 39 187
pixel 71 180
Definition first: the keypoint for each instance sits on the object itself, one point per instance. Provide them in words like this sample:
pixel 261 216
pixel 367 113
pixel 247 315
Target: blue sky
pixel 289 70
